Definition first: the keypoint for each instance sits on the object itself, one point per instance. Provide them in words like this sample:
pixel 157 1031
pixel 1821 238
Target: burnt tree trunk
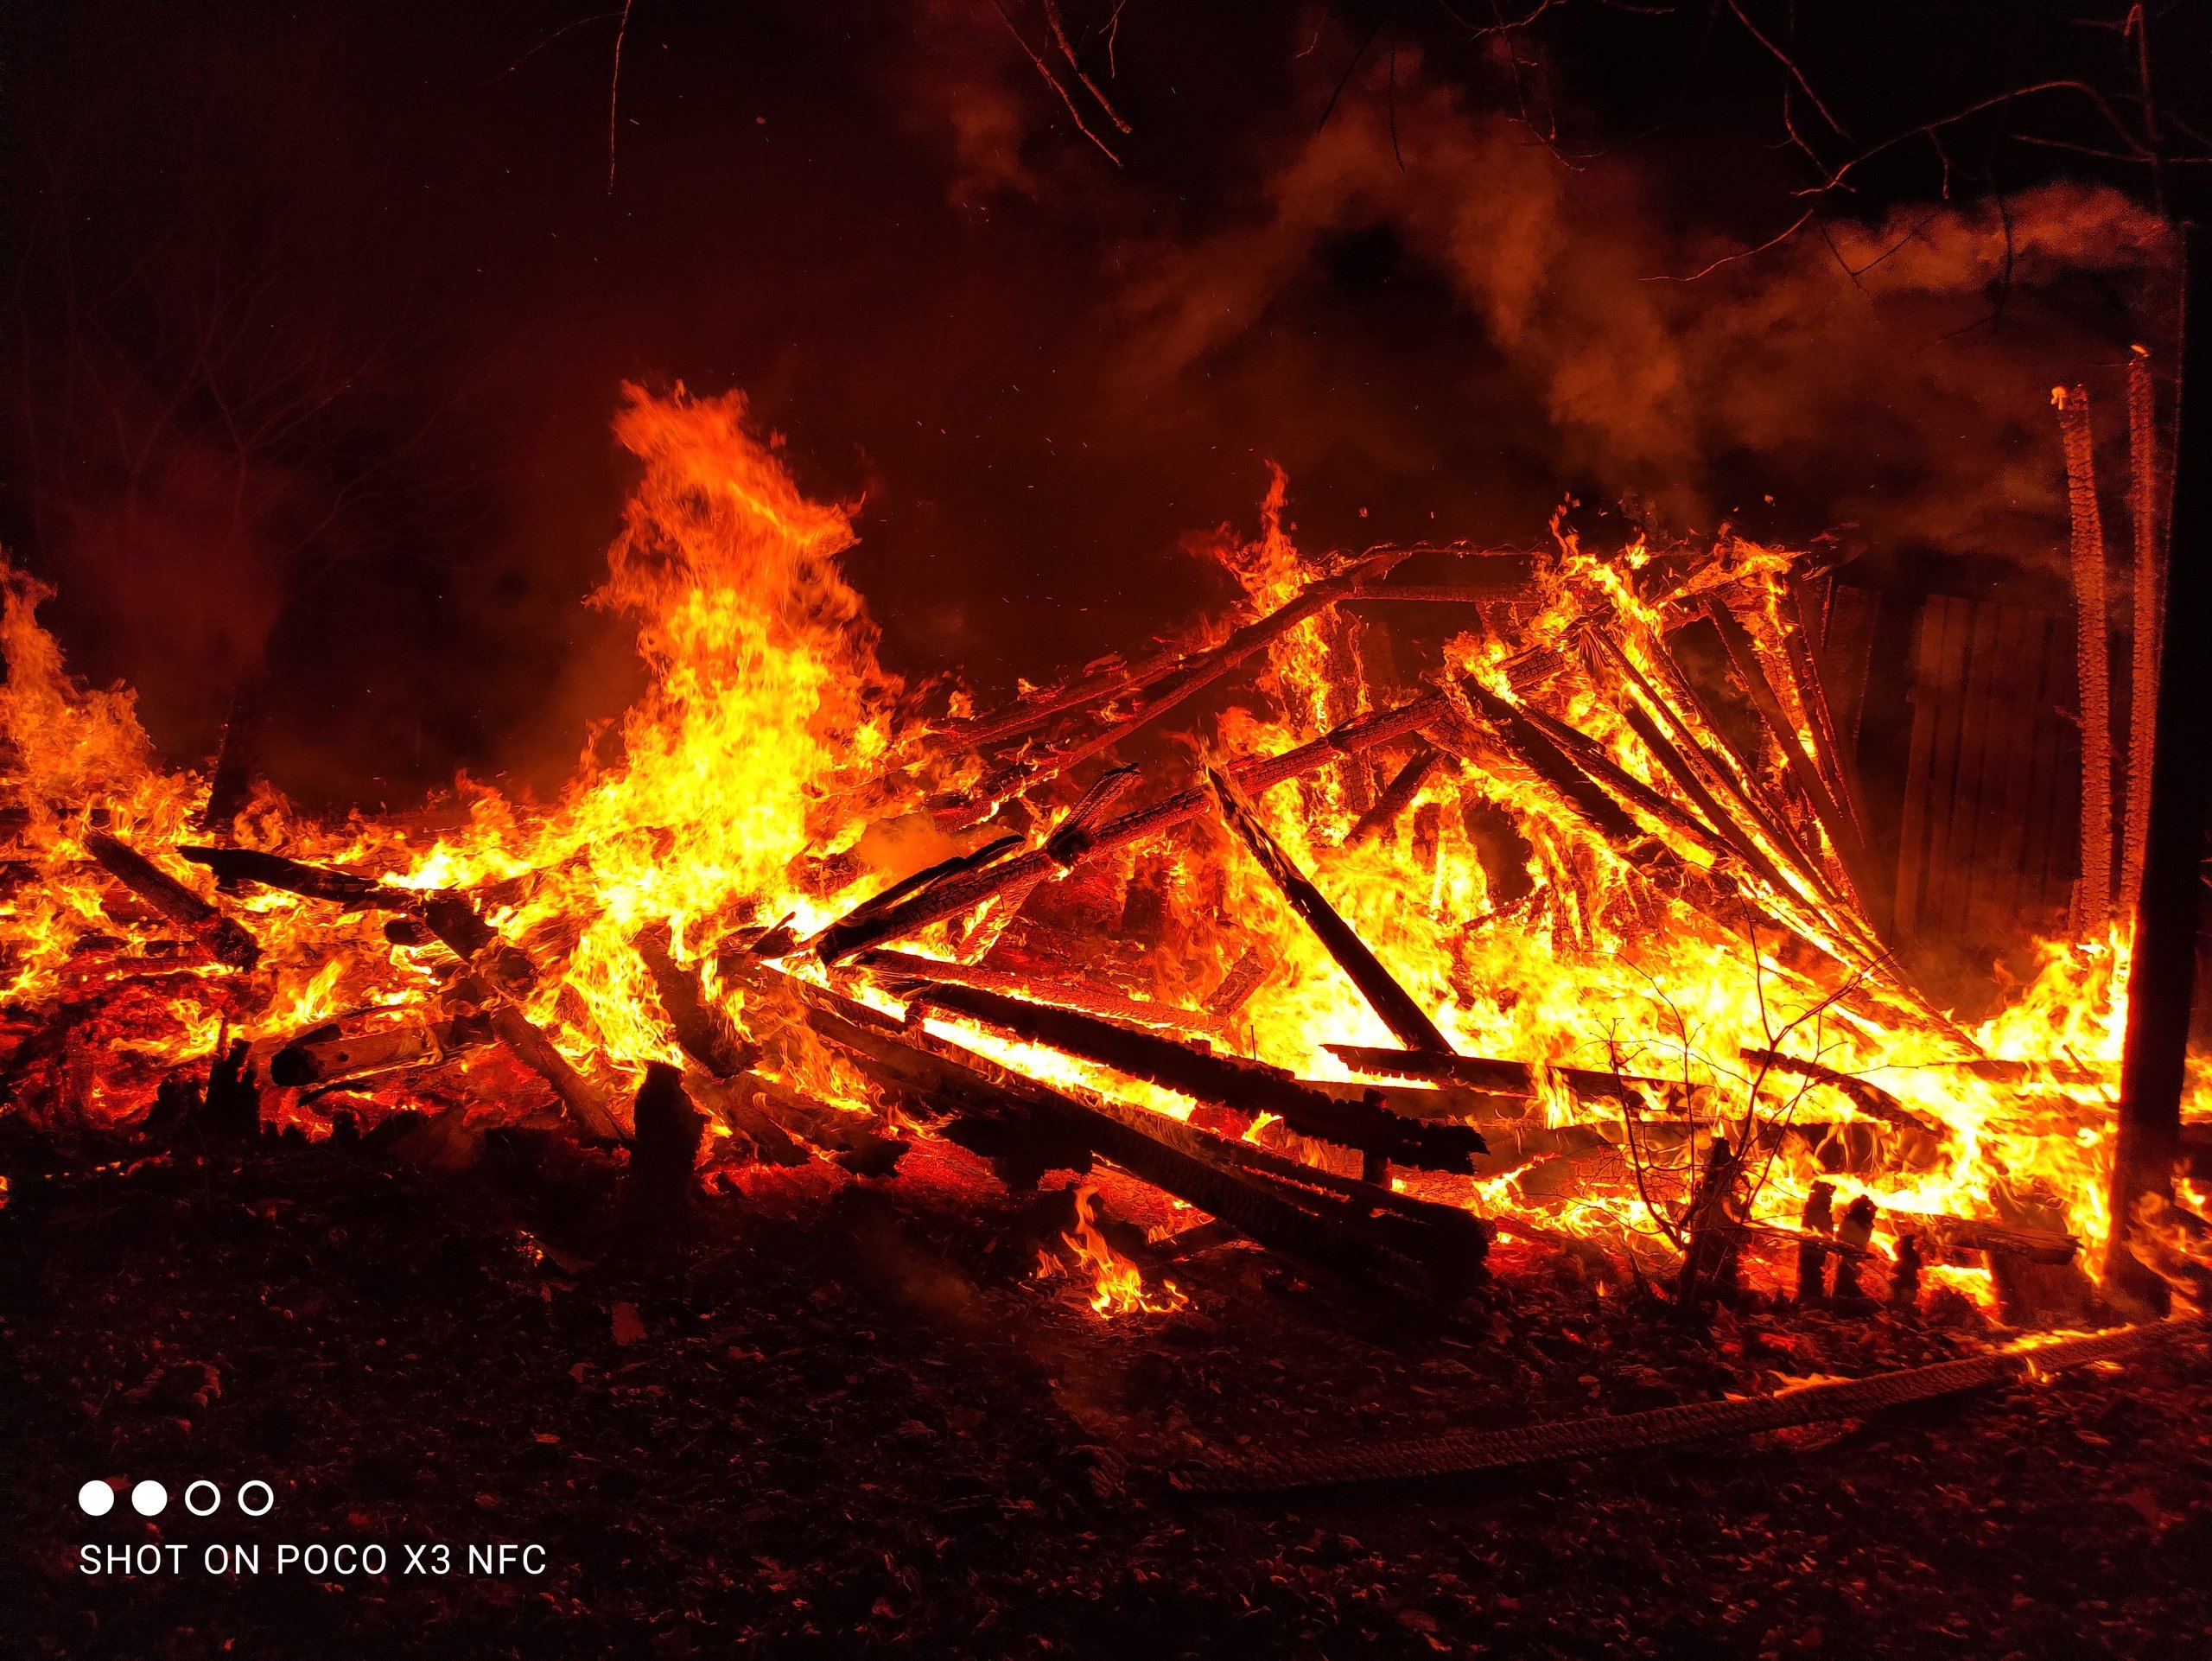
pixel 2162 972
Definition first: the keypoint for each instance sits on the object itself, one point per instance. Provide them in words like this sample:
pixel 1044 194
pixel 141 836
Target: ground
pixel 845 1418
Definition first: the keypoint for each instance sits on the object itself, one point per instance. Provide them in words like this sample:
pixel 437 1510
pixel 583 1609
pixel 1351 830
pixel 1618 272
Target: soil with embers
pixel 846 1417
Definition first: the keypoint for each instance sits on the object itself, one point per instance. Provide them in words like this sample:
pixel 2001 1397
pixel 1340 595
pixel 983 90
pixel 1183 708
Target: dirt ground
pixel 848 1418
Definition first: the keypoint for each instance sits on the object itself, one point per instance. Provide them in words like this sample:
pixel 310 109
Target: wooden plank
pixel 1846 657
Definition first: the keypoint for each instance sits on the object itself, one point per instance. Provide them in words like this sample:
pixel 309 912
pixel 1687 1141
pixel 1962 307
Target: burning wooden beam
pixel 331 1053
pixel 232 786
pixel 1495 1077
pixel 1396 796
pixel 1868 1098
pixel 708 1035
pixel 916 907
pixel 1390 1000
pixel 226 940
pixel 1111 1006
pixel 1332 1223
pixel 1245 1086
pixel 347 889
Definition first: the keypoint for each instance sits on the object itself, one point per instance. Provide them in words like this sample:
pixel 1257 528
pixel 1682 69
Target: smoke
pixel 1892 375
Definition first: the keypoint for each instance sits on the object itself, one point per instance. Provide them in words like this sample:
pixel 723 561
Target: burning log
pixel 1372 1235
pixel 584 1100
pixel 771 1114
pixel 1404 786
pixel 1404 1017
pixel 226 941
pixel 347 889
pixel 1071 839
pixel 329 1054
pixel 708 1035
pixel 1245 1086
pixel 2092 650
pixel 906 908
pixel 1522 737
pixel 1111 1006
pixel 1625 786
pixel 1209 666
pixel 2162 970
pixel 1869 1098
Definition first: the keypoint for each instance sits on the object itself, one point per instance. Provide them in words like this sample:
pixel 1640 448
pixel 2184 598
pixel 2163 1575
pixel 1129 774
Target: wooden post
pixel 2092 624
pixel 2162 973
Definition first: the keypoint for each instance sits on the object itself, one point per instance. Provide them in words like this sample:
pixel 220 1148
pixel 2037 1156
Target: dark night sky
pixel 324 314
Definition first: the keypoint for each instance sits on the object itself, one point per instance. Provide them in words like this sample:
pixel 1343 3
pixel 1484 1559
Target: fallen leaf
pixel 628 1329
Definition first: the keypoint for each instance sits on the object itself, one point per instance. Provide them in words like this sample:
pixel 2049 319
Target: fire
pixel 773 775
pixel 1117 1287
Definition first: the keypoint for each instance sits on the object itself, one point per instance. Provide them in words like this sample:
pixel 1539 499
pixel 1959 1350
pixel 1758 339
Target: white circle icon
pixel 214 1498
pixel 268 1498
pixel 95 1499
pixel 148 1498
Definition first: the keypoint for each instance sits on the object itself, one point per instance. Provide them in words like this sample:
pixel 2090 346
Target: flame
pixel 773 771
pixel 1117 1288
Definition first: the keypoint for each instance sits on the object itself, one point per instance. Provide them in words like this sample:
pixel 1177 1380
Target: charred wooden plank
pixel 586 1101
pixel 707 1033
pixel 1111 1006
pixel 1253 965
pixel 1361 1235
pixel 232 784
pixel 1404 786
pixel 347 888
pixel 1495 1077
pixel 225 941
pixel 1404 1017
pixel 1580 792
pixel 739 1102
pixel 2035 1245
pixel 1245 1085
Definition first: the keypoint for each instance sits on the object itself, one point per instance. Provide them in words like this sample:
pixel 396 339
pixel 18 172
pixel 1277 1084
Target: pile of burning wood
pixel 1577 940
